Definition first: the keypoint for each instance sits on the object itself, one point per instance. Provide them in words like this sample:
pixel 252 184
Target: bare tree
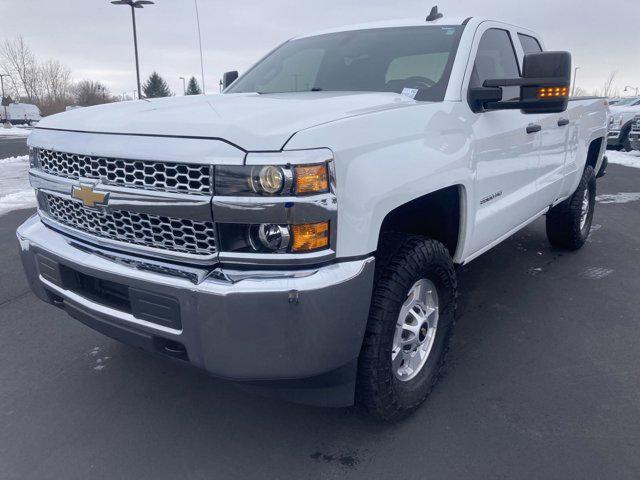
pixel 17 59
pixel 88 93
pixel 55 87
pixel 607 88
pixel 580 92
pixel 47 84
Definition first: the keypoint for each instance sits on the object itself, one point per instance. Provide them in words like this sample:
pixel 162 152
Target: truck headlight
pixel 275 238
pixel 270 238
pixel 288 173
pixel 271 180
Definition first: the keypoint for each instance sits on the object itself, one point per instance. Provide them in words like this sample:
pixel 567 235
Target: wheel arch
pixel 595 153
pixel 440 215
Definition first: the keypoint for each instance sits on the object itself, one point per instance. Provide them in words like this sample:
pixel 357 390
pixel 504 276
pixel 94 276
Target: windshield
pixel 377 60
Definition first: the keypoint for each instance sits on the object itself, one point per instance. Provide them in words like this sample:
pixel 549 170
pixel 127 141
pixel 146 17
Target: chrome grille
pixel 143 174
pixel 177 235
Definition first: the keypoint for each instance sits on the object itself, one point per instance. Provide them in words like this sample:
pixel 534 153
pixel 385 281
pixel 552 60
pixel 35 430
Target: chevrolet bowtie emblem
pixel 88 196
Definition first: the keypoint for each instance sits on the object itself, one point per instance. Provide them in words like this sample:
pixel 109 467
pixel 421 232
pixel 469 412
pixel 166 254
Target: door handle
pixel 563 122
pixel 533 128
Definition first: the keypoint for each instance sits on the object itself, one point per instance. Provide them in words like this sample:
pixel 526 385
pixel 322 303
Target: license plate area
pixel 144 305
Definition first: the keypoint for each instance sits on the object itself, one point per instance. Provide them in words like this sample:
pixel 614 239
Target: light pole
pixel 184 85
pixel 575 75
pixel 135 4
pixel 4 100
pixel 204 91
pixel 632 88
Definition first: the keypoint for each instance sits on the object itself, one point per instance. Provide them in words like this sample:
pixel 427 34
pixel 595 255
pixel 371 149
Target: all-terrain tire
pixel 402 261
pixel 565 226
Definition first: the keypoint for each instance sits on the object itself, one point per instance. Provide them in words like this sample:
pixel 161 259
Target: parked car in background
pixel 20 113
pixel 634 135
pixel 620 121
pixel 299 233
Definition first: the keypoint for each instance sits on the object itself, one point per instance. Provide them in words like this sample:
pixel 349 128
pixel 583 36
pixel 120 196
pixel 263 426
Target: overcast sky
pixel 94 38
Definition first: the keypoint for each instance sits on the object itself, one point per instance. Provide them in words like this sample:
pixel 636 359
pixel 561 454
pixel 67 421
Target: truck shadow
pixel 499 294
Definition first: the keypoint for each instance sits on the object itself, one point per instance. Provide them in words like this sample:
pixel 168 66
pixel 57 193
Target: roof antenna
pixel 434 15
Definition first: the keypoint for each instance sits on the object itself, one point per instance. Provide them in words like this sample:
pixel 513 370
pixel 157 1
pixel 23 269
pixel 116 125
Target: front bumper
pixel 298 332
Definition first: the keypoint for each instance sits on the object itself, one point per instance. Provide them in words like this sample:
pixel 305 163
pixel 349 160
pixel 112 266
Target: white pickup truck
pixel 300 232
pixel 621 122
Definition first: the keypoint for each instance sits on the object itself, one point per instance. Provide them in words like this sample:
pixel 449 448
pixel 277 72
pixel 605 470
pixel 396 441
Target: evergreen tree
pixel 156 87
pixel 193 88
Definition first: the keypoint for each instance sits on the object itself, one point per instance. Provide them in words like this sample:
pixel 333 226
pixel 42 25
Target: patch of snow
pixel 17 201
pixel 21 158
pixel 624 197
pixel 15 131
pixel 15 191
pixel 627 159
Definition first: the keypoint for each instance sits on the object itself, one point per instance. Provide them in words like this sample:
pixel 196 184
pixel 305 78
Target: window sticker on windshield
pixel 410 92
pixel 448 30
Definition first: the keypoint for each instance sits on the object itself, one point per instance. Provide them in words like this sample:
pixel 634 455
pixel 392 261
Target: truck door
pixel 506 147
pixel 554 140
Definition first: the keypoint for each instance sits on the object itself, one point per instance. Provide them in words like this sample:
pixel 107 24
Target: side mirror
pixel 549 74
pixel 544 86
pixel 228 78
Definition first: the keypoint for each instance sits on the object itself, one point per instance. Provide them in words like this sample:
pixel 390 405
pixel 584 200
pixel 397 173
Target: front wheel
pixel 569 223
pixel 410 323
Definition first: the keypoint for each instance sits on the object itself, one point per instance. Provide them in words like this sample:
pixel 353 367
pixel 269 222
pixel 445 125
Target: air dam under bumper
pixel 297 333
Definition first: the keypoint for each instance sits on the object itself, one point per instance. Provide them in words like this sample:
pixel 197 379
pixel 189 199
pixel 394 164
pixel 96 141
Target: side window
pixel 529 44
pixel 496 58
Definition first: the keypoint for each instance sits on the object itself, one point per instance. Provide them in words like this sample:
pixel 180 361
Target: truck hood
pixel 253 122
pixel 623 109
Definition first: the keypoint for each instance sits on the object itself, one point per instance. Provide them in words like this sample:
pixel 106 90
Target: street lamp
pixel 575 75
pixel 632 88
pixel 135 4
pixel 204 91
pixel 184 85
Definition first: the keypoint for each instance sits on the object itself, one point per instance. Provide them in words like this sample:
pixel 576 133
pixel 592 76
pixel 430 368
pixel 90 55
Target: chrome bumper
pixel 275 326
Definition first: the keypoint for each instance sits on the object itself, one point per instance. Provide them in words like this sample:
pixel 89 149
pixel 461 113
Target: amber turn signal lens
pixel 553 92
pixel 311 179
pixel 310 237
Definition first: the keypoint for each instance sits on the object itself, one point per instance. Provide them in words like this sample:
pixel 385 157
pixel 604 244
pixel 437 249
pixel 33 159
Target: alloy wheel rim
pixel 415 331
pixel 584 212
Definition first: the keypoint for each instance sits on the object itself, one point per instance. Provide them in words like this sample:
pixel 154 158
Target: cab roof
pixel 407 22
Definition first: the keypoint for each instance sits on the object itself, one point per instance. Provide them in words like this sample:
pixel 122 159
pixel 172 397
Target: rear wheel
pixel 569 223
pixel 410 324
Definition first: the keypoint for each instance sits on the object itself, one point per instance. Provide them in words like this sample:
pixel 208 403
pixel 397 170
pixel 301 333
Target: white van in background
pixel 20 113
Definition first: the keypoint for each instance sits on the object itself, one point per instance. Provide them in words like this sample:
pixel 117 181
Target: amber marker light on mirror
pixel 310 237
pixel 311 179
pixel 553 92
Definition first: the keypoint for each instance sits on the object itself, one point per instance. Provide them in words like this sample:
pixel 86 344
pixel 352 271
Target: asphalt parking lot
pixel 12 146
pixel 542 382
